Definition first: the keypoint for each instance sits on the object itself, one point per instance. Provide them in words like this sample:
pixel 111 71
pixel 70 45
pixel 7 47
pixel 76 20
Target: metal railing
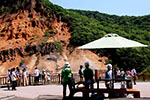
pixel 56 77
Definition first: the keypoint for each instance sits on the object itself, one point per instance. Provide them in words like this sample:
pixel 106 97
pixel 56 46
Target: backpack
pixel 40 75
pixel 67 72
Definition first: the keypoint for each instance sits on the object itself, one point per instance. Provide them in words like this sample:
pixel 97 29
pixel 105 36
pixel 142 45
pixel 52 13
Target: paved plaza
pixel 54 92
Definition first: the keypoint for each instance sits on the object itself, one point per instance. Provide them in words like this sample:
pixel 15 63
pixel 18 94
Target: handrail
pixel 55 78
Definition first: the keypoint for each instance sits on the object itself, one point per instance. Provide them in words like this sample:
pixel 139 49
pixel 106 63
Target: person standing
pixel 48 78
pixel 133 74
pixel 108 75
pixel 122 74
pixel 129 77
pixel 43 76
pixel 66 76
pixel 36 75
pixel 81 73
pixel 128 72
pixel 117 73
pixel 8 79
pixel 13 78
pixel 88 76
pixel 25 77
pixel 18 74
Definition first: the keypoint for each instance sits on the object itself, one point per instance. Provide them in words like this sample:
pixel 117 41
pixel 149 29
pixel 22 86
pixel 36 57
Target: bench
pixel 85 92
pixel 135 92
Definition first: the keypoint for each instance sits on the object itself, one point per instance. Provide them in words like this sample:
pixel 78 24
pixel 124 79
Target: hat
pixel 67 64
pixel 109 66
pixel 35 67
pixel 86 63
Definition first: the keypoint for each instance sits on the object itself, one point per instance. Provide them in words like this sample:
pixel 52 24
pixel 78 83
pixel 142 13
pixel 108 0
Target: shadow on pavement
pixel 52 97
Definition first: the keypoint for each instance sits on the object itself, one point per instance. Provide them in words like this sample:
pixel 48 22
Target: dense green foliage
pixel 87 26
pixel 131 27
pixel 12 6
pixel 136 28
pixel 58 46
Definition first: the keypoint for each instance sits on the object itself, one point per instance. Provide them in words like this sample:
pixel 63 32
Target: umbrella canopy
pixel 112 41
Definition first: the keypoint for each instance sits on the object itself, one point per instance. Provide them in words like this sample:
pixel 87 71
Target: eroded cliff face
pixel 30 34
pixel 30 31
pixel 22 30
pixel 28 26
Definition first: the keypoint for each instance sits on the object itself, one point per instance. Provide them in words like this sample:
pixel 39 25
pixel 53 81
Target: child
pixel 48 78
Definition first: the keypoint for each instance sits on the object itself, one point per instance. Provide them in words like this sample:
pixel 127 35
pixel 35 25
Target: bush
pixel 58 46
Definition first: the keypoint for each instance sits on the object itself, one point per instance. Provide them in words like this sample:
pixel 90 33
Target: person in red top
pixel 128 73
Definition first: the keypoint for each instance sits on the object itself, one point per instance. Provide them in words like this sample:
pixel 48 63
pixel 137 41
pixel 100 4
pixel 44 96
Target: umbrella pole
pixel 113 55
pixel 113 59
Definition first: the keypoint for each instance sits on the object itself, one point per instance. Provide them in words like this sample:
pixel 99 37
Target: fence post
pixel 96 74
pixel 29 79
pixel 143 77
pixel 59 79
pixel 3 81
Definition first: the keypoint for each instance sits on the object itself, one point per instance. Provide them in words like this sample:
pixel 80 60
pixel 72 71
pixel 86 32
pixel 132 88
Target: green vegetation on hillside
pixel 131 27
pixel 87 26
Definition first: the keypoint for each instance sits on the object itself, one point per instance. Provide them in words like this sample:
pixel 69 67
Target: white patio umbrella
pixel 112 41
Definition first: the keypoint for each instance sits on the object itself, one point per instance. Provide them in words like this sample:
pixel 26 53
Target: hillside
pixel 131 27
pixel 34 33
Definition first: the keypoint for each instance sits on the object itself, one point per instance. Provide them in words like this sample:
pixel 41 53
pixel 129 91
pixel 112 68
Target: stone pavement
pixel 17 98
pixel 4 96
pixel 33 92
pixel 54 92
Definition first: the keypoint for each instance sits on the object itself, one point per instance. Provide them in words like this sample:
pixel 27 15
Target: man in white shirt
pixel 36 75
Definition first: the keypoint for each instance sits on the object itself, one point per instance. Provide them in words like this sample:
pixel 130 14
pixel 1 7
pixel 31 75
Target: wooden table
pixel 128 82
pixel 99 90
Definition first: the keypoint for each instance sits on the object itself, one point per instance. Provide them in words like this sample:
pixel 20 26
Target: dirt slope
pixel 26 35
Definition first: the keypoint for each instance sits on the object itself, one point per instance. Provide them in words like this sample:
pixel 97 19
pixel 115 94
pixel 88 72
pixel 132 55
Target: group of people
pixel 87 75
pixel 41 75
pixel 117 73
pixel 67 78
pixel 15 77
pixel 120 73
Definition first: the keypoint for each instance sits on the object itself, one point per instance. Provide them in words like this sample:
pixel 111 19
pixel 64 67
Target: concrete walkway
pixel 35 92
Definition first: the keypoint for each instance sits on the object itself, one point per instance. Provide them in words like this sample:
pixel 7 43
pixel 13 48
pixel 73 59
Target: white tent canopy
pixel 112 41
